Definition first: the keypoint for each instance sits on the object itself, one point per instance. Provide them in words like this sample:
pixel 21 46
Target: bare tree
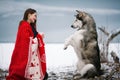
pixel 110 37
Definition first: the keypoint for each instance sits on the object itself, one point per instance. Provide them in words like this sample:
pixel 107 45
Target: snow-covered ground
pixel 56 56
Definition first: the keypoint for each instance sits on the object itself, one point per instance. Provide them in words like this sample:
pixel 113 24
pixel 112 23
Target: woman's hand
pixel 42 34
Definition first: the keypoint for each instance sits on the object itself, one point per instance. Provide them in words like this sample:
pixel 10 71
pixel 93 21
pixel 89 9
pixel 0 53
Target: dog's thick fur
pixel 84 41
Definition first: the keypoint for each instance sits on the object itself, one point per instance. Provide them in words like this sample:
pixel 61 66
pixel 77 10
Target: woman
pixel 28 60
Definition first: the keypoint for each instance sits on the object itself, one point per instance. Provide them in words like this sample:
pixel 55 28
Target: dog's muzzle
pixel 72 26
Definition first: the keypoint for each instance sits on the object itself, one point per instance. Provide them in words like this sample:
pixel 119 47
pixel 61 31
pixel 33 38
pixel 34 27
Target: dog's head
pixel 79 21
pixel 77 24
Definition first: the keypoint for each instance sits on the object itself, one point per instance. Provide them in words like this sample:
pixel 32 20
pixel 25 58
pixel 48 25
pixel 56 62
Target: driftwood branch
pixel 115 57
pixel 111 36
pixel 104 31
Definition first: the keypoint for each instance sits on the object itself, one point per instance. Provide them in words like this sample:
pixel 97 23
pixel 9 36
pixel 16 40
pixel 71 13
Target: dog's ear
pixel 77 11
pixel 80 13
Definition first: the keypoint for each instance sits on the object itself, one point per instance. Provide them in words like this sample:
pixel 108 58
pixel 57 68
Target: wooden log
pixel 115 57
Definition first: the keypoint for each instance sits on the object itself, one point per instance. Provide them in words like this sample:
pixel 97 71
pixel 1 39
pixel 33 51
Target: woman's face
pixel 32 17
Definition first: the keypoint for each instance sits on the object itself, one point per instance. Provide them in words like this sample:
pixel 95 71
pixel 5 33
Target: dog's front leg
pixel 67 42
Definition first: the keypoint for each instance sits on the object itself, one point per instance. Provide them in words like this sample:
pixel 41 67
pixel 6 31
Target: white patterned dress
pixel 33 70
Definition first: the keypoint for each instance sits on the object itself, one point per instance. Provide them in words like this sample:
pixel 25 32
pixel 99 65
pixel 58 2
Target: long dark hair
pixel 25 17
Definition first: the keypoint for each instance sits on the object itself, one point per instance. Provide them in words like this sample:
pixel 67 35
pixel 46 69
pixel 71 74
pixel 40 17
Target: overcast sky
pixel 56 16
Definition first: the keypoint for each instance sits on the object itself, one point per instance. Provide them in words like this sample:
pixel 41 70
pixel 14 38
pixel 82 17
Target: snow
pixel 55 55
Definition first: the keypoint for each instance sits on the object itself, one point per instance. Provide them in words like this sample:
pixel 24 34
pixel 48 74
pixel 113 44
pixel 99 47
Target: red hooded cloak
pixel 22 49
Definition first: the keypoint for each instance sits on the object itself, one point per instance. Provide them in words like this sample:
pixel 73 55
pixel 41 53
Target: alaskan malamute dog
pixel 84 41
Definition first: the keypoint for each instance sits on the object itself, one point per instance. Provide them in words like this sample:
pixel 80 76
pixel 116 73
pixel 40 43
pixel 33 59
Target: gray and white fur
pixel 85 44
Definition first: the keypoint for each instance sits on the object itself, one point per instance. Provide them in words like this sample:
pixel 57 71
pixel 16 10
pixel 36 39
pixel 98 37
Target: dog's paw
pixel 65 48
pixel 77 76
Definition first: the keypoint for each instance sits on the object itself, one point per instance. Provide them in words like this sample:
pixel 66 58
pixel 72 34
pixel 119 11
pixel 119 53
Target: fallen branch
pixel 115 57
